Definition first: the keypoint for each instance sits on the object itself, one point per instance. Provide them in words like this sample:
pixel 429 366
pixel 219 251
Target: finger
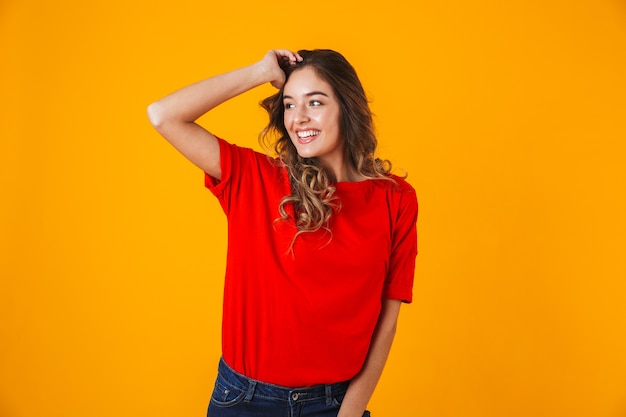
pixel 288 55
pixel 295 57
pixel 284 61
pixel 287 62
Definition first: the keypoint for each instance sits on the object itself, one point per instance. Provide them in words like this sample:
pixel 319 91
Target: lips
pixel 307 136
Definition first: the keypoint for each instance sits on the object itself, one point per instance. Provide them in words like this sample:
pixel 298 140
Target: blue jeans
pixel 236 395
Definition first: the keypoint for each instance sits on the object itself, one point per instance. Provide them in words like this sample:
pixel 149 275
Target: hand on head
pixel 275 61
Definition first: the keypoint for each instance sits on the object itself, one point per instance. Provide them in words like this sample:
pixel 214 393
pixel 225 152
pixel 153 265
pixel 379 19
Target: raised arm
pixel 174 116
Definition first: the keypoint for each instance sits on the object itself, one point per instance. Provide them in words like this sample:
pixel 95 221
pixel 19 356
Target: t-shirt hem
pixel 395 292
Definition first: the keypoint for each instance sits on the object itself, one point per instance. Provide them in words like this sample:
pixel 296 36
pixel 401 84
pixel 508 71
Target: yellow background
pixel 508 116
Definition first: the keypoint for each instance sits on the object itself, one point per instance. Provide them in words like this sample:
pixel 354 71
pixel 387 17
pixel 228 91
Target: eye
pixel 316 103
pixel 289 106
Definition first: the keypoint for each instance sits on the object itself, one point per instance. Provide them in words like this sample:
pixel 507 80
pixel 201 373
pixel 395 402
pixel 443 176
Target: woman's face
pixel 312 118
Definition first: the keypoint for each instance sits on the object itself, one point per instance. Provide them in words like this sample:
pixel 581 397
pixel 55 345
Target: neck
pixel 341 172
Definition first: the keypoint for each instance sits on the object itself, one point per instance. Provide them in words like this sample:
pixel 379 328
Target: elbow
pixel 155 114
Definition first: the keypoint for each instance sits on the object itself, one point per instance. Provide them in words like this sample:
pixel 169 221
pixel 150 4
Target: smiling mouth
pixel 306 136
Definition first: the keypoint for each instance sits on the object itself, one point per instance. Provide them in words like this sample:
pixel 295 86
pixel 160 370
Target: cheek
pixel 287 119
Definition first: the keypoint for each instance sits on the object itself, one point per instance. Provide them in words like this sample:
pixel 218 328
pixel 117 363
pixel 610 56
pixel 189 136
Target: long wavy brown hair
pixel 312 189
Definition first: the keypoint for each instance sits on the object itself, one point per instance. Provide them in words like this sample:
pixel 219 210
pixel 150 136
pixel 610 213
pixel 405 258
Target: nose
pixel 302 114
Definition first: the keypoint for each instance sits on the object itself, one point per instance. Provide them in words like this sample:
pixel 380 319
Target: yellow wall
pixel 508 116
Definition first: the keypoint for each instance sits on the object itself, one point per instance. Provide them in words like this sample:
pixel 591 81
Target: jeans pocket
pixel 226 395
pixel 337 400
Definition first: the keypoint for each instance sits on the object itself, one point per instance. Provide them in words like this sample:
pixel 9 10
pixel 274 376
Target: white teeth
pixel 308 133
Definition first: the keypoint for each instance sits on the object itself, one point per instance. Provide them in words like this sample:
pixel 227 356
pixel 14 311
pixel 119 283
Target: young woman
pixel 321 238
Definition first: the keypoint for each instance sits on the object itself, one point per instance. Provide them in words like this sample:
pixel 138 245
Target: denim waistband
pixel 277 392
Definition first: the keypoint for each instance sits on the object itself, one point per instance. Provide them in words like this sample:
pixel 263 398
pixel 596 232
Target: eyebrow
pixel 312 93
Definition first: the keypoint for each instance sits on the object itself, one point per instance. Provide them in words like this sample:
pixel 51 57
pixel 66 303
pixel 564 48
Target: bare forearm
pixel 174 115
pixel 363 385
pixel 191 102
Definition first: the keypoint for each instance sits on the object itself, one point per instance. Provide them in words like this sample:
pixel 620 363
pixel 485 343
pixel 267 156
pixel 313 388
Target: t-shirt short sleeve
pixel 232 158
pixel 399 281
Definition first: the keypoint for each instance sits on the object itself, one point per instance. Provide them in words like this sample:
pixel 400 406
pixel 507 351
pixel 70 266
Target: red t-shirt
pixel 306 317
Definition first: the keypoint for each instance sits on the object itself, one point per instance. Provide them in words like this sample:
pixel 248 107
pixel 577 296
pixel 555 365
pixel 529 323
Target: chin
pixel 305 154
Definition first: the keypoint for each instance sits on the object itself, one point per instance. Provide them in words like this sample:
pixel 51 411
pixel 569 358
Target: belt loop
pixel 250 392
pixel 329 395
